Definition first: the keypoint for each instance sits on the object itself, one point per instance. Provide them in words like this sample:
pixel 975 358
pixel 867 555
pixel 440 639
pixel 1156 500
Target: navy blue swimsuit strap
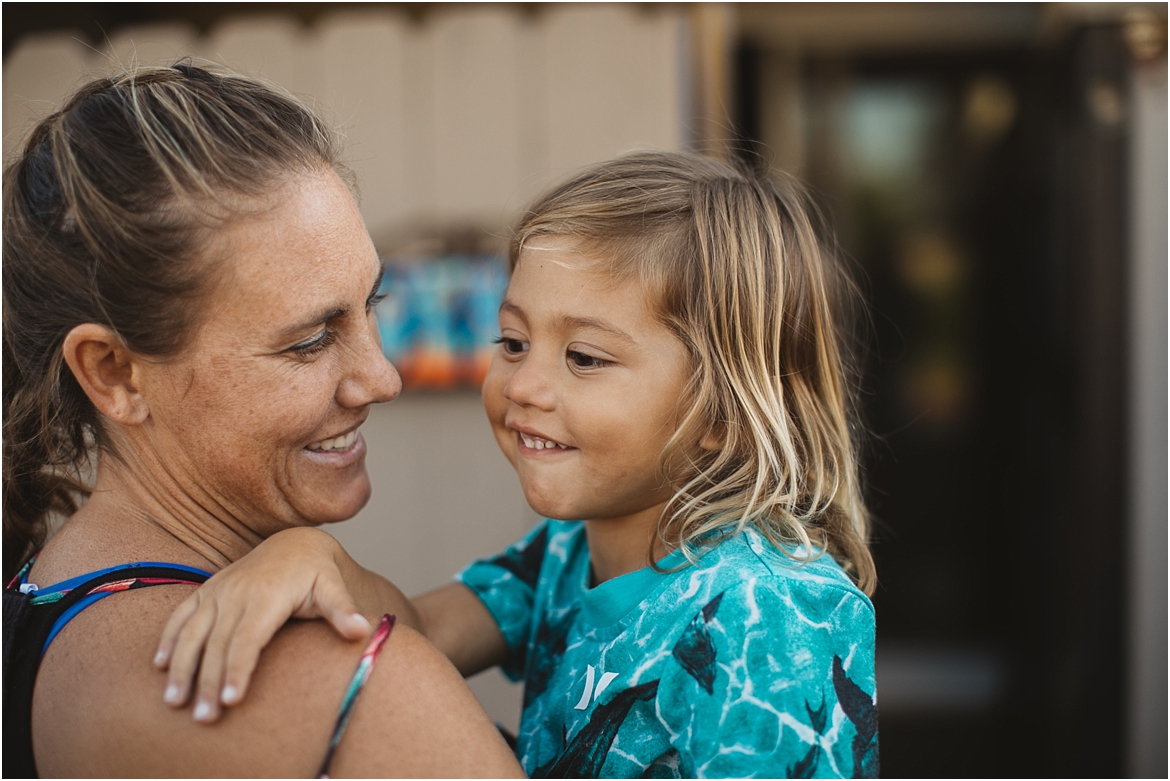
pixel 84 590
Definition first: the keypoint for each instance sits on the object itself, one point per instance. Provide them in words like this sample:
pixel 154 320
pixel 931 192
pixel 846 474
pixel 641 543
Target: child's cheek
pixel 496 407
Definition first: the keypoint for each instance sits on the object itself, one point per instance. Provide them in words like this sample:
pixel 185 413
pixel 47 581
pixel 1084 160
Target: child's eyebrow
pixel 569 321
pixel 513 309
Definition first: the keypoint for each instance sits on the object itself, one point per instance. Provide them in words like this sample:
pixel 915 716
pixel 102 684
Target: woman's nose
pixel 371 378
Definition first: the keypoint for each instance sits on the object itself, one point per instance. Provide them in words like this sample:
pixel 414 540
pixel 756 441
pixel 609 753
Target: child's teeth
pixel 541 444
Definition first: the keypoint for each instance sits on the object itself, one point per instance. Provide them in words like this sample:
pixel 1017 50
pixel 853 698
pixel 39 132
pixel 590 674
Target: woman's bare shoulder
pixel 98 708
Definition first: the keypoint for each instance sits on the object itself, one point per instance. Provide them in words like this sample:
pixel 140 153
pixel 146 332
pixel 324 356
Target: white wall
pixel 455 120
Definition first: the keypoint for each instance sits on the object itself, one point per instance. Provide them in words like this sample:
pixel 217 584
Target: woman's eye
pixel 374 300
pixel 314 345
pixel 583 361
pixel 512 346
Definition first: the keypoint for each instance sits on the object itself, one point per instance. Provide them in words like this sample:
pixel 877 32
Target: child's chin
pixel 547 508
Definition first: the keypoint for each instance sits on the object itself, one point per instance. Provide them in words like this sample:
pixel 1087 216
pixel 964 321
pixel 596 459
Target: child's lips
pixel 531 443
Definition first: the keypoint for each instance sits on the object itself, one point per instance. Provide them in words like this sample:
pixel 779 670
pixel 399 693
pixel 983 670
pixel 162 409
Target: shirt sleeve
pixel 775 679
pixel 506 584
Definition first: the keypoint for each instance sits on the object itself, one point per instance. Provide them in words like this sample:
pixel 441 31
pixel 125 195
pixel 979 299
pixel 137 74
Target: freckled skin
pixel 616 417
pixel 231 417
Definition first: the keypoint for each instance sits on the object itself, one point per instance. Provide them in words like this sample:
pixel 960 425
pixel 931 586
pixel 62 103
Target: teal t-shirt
pixel 747 664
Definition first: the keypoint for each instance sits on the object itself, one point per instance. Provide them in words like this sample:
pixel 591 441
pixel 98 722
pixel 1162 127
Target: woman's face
pixel 258 418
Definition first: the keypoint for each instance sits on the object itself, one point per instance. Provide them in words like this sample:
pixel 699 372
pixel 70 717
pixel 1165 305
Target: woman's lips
pixel 343 442
pixel 340 451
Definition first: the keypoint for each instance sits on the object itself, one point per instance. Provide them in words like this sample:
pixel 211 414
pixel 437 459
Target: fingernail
pixel 172 694
pixel 203 711
pixel 160 658
pixel 365 622
pixel 229 694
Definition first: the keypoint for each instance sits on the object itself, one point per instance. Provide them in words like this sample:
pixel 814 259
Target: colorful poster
pixel 439 317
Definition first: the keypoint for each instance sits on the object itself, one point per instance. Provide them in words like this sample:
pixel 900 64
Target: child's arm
pixel 304 573
pixel 456 621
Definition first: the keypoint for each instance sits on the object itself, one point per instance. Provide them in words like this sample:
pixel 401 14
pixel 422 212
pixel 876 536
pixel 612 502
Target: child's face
pixel 583 391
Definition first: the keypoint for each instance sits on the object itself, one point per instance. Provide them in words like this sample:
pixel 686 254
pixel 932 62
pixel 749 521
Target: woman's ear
pixel 107 371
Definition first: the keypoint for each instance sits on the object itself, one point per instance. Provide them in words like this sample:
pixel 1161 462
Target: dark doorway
pixel 979 197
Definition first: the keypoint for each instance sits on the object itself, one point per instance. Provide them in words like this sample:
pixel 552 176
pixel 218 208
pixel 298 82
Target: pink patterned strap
pixel 360 676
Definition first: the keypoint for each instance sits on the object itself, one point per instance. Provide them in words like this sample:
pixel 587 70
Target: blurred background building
pixel 996 175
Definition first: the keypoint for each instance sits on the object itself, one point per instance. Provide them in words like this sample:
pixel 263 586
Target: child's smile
pixel 584 389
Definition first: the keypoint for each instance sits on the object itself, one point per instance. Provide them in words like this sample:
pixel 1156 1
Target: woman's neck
pixel 136 515
pixel 618 546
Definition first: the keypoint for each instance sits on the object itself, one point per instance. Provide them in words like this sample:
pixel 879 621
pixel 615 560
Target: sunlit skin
pixel 583 363
pixel 288 357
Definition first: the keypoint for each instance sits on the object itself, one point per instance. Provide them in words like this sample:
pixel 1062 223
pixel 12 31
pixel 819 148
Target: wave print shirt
pixel 747 664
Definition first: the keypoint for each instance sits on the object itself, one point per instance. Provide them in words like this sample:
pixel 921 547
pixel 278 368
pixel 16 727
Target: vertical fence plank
pixel 153 44
pixel 39 73
pixel 613 82
pixel 362 84
pixel 476 113
pixel 419 103
pixel 272 47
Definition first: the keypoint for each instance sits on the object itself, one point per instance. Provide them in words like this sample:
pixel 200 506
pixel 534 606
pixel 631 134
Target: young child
pixel 672 390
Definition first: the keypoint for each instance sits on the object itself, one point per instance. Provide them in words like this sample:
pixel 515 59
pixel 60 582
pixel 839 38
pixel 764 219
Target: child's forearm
pixel 455 620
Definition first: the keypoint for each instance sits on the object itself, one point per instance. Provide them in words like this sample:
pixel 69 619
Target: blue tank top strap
pixel 140 574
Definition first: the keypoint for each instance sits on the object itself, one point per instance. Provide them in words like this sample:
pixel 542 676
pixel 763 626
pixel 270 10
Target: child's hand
pixel 230 618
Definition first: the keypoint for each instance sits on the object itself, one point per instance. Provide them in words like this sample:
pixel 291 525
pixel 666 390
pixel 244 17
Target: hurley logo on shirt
pixel 591 694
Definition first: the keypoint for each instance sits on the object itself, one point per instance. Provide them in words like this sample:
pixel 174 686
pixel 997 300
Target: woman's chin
pixel 338 503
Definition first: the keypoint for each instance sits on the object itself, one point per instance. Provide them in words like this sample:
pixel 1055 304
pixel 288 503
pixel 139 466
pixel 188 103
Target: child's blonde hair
pixel 733 266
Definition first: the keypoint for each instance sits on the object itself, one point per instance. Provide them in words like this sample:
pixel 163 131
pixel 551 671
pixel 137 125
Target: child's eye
pixel 582 361
pixel 315 345
pixel 511 346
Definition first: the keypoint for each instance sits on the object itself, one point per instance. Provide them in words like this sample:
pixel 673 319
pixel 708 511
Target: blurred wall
pixel 454 120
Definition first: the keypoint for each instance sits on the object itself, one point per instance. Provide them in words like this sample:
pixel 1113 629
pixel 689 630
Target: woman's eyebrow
pixel 312 321
pixel 325 315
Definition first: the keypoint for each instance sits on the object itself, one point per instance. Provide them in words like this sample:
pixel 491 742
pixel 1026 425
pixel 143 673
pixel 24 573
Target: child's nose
pixel 528 386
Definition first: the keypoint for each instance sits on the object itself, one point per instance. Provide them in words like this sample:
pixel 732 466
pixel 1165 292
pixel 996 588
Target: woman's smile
pixel 338 452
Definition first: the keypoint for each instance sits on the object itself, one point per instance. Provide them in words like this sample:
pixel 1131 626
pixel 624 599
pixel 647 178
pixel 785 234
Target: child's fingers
pixel 243 654
pixel 188 648
pixel 166 645
pixel 211 668
pixel 337 607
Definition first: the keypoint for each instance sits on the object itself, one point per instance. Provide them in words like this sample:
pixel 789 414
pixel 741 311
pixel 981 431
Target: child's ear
pixel 713 439
pixel 107 371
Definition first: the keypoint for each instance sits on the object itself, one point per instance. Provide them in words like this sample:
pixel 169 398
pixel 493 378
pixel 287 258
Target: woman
pixel 188 292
